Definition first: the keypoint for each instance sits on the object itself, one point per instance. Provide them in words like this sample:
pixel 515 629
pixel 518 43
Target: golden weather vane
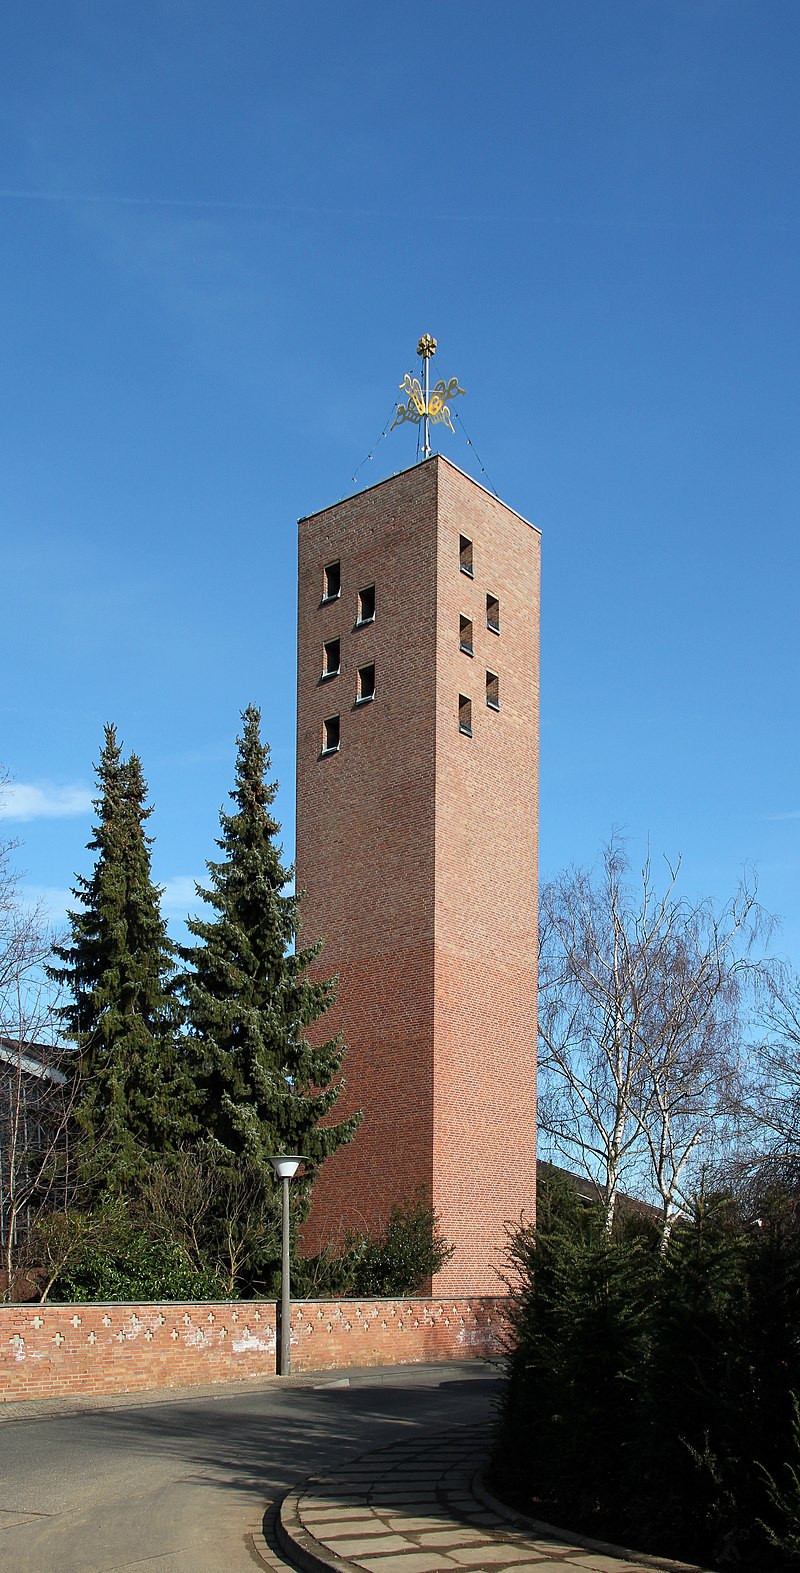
pixel 426 404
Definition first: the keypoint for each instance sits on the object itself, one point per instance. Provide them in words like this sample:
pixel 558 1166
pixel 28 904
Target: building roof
pixel 32 1059
pixel 435 458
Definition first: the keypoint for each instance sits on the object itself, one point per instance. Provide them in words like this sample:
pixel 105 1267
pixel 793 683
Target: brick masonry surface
pixel 417 856
pixel 70 1351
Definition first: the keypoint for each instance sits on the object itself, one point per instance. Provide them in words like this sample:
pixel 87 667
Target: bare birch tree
pixel 769 1145
pixel 640 1013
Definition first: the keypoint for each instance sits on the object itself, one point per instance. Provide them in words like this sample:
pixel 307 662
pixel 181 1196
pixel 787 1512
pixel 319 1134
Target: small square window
pixel 465 635
pixel 331 657
pixel 330 735
pixel 465 715
pixel 493 614
pixel 366 605
pixel 366 684
pixel 465 553
pixel 332 582
pixel 493 690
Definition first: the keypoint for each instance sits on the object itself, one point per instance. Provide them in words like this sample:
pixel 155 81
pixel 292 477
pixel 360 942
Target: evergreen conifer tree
pixel 122 1012
pixel 265 1088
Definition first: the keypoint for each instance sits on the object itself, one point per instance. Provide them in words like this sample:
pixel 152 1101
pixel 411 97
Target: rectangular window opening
pixel 493 614
pixel 465 635
pixel 331 657
pixel 330 735
pixel 465 715
pixel 332 582
pixel 366 605
pixel 465 553
pixel 493 690
pixel 366 684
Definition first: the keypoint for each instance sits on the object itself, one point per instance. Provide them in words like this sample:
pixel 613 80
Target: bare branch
pixel 641 1007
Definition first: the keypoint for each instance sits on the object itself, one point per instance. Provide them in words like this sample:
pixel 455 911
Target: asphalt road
pixel 181 1486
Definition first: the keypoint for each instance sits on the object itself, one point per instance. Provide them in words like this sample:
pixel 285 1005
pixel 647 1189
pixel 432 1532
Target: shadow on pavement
pixel 265 1442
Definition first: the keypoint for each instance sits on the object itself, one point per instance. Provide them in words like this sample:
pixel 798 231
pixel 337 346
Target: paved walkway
pixel 418 1507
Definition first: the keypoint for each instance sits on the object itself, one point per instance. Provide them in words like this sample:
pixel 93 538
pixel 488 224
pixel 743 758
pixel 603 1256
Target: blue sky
pixel 224 229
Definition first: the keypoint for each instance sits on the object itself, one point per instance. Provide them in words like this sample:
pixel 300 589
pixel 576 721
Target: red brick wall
pixel 365 835
pixel 416 851
pixel 68 1351
pixel 486 884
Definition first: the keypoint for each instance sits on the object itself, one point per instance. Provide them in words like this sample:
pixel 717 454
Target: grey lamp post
pixel 286 1166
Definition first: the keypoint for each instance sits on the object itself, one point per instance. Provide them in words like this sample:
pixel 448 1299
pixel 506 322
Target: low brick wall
pixel 66 1351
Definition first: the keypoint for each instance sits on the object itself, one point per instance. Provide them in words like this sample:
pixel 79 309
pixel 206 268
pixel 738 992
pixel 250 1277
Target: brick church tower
pixel 417 764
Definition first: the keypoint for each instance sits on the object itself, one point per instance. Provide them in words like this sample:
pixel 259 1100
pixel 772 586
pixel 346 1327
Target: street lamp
pixel 286 1166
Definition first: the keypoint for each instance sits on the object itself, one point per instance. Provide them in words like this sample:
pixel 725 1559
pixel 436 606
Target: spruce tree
pixel 265 1088
pixel 122 1011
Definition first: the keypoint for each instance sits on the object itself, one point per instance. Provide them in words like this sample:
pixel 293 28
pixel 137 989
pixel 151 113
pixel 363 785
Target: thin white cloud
pixel 21 800
pixel 52 901
pixel 180 895
pixel 793 813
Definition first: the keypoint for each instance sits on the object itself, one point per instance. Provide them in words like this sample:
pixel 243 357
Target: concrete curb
pixel 301 1548
pixel 605 1547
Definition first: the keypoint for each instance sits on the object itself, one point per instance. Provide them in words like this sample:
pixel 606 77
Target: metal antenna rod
pixel 426 422
pixel 425 349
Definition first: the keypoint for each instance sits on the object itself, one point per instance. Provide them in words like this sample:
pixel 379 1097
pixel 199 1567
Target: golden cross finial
pixel 426 404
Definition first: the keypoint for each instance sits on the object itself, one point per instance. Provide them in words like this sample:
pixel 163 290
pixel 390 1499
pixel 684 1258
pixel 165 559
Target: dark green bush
pixel 649 1397
pixel 401 1260
pixel 126 1264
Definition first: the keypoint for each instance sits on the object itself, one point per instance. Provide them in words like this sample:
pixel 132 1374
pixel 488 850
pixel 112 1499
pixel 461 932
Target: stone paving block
pixel 408 1510
pixel 402 1476
pixel 403 1482
pixel 410 1523
pixel 337 1498
pixel 454 1536
pixel 372 1544
pixel 545 1566
pixel 310 1506
pixel 327 1514
pixel 418 1562
pixel 598 1562
pixel 391 1499
pixel 337 1530
pixel 498 1554
pixel 558 1548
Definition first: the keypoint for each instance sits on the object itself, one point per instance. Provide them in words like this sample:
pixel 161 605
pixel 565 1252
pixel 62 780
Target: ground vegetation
pixel 652 1394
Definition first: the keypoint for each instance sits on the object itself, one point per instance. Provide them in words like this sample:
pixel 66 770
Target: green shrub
pixel 399 1261
pixel 126 1264
pixel 649 1397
